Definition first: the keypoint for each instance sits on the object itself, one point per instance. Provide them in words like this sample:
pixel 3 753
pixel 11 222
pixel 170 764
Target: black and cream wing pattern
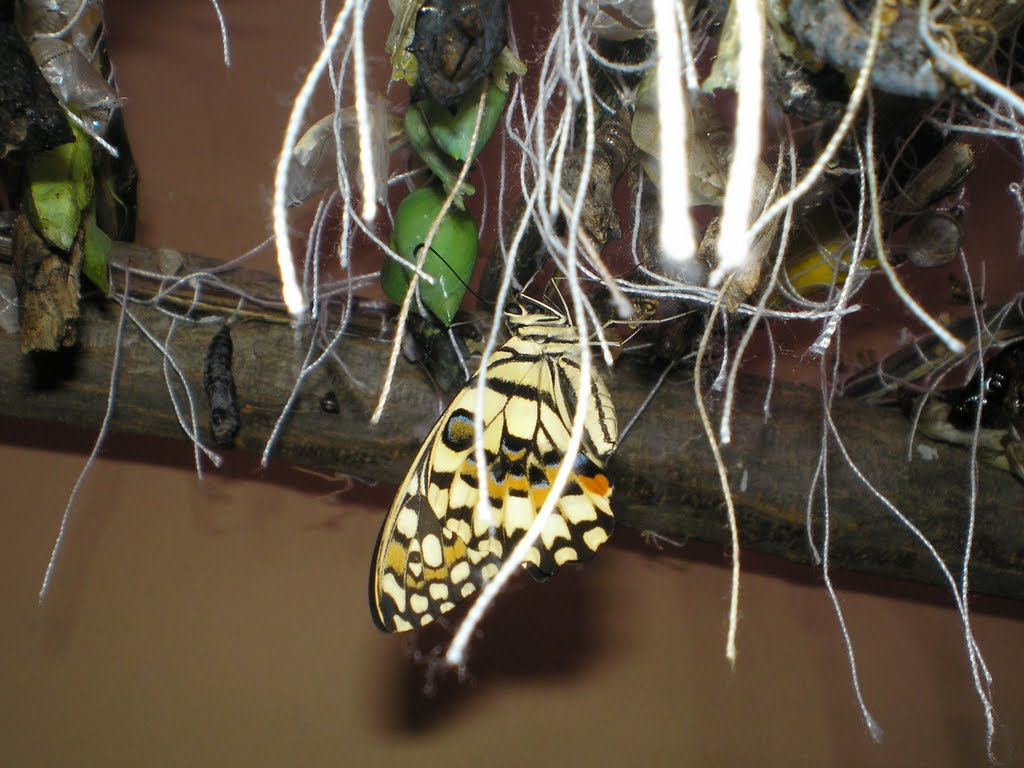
pixel 434 549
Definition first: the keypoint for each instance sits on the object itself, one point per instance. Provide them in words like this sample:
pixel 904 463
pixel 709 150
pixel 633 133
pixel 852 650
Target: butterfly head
pixel 526 311
pixel 531 319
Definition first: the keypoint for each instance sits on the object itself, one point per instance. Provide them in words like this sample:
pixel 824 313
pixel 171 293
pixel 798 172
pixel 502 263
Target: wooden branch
pixel 831 31
pixel 664 477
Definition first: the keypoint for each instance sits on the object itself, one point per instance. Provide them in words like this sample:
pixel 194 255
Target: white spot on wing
pixel 521 416
pixel 459 527
pixel 438 591
pixel 389 586
pixel 432 555
pixel 577 509
pixel 461 494
pixel 407 522
pixel 595 537
pixel 419 603
pixel 437 497
pixel 519 514
pixel 554 529
pixel 566 555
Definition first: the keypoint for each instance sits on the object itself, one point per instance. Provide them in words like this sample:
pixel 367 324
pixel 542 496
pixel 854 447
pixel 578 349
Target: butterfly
pixel 435 549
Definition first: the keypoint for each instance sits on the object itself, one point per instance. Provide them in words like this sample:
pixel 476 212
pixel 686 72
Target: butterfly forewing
pixel 435 548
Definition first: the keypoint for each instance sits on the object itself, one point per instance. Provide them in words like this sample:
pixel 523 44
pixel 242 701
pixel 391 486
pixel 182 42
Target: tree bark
pixel 664 477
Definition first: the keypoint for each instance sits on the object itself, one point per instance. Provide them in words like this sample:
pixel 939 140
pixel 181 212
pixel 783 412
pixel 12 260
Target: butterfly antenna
pixel 561 298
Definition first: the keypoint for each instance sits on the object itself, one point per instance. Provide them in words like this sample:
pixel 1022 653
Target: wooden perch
pixel 663 474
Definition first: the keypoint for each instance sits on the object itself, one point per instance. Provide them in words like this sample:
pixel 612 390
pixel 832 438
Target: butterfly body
pixel 436 548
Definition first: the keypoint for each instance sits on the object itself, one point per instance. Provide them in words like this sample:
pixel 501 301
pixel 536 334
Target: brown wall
pixel 225 623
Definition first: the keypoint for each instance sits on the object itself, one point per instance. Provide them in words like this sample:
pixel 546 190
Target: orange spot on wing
pixel 499 491
pixel 454 552
pixel 494 490
pixel 395 557
pixel 537 497
pixel 597 485
pixel 518 484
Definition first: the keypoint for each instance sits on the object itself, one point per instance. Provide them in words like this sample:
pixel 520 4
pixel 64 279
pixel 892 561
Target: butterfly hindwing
pixel 423 565
pixel 435 549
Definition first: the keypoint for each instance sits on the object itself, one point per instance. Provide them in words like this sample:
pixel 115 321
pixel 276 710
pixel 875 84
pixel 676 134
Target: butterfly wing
pixel 434 550
pixel 537 423
pixel 431 552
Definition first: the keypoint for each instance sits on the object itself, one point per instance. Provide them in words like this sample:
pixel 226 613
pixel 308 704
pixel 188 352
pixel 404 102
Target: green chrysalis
pixel 449 262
